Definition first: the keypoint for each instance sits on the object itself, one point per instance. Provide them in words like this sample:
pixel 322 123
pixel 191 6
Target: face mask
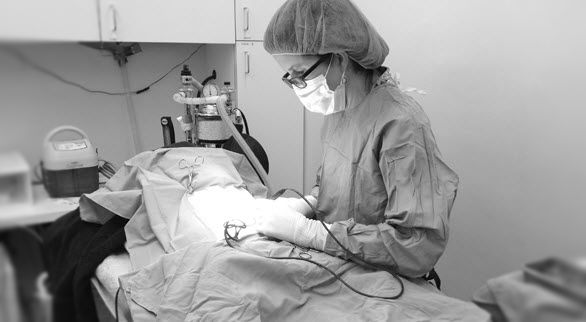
pixel 317 97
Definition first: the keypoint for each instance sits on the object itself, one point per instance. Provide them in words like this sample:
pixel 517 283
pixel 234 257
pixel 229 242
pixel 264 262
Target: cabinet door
pixel 274 113
pixel 253 16
pixel 59 20
pixel 173 21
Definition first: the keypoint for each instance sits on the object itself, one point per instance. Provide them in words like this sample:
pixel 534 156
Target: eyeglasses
pixel 299 81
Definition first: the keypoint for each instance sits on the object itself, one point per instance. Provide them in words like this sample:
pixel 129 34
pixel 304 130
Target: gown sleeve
pixel 421 190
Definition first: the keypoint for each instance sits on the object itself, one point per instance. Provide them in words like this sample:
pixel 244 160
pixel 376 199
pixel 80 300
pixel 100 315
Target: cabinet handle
pixel 114 16
pixel 246 63
pixel 246 18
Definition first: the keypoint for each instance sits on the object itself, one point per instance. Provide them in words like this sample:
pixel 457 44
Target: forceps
pixel 192 175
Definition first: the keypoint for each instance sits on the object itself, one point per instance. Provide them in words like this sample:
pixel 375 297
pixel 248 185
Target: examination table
pixel 105 285
pixel 177 266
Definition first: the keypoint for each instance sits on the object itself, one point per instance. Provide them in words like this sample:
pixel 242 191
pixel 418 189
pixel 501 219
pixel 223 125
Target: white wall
pixel 31 103
pixel 506 82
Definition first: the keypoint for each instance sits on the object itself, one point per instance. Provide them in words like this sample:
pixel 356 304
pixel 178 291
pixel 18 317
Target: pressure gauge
pixel 210 90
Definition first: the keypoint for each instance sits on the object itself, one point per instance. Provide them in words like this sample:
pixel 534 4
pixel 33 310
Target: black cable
pixel 255 171
pixel 348 253
pixel 213 76
pixel 245 121
pixel 116 303
pixel 170 70
pixel 38 173
pixel 339 278
pixel 228 238
pixel 20 56
pixel 108 169
pixel 355 258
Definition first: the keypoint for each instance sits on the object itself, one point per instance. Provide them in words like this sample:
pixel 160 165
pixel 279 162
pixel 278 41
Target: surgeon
pixel 383 188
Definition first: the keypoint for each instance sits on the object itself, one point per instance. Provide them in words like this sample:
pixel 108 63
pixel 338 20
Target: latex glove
pixel 299 205
pixel 274 219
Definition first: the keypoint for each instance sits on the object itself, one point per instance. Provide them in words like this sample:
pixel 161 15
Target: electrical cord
pixel 239 226
pixel 245 121
pixel 116 303
pixel 170 70
pixel 213 76
pixel 108 169
pixel 38 173
pixel 23 58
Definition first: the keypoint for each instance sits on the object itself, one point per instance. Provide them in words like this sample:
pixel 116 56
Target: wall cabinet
pixel 274 113
pixel 172 21
pixel 62 20
pixel 253 16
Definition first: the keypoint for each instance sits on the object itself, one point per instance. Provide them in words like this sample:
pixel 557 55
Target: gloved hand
pixel 274 219
pixel 298 204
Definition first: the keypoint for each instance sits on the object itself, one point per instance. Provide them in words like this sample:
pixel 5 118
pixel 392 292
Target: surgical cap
pixel 318 27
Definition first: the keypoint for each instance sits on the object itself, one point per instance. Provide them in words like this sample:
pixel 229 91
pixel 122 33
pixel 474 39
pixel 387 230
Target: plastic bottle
pixel 189 91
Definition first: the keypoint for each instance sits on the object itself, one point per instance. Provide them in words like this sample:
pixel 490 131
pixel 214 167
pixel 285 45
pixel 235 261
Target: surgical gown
pixel 383 183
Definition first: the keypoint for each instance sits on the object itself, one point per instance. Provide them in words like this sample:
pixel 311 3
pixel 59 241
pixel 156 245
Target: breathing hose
pixel 220 102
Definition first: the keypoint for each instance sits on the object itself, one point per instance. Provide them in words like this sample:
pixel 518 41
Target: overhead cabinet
pixel 274 113
pixel 170 21
pixel 253 17
pixel 61 20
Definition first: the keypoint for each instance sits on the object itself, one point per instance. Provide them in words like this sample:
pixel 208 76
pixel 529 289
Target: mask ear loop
pixel 343 79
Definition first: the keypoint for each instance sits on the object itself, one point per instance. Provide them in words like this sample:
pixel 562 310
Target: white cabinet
pixel 274 113
pixel 172 21
pixel 253 16
pixel 58 20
